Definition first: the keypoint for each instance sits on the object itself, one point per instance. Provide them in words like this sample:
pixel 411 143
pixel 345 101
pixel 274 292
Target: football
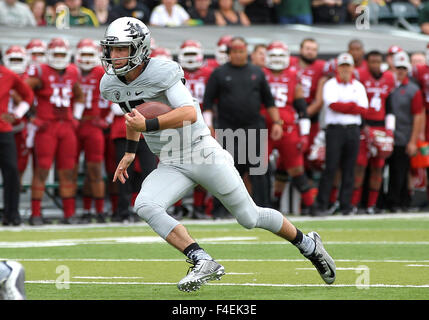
pixel 153 109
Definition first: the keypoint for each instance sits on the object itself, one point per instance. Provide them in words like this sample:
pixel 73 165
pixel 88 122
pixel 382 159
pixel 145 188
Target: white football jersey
pixel 151 85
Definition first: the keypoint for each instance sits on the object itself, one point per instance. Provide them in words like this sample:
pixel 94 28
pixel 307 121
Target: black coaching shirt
pixel 238 93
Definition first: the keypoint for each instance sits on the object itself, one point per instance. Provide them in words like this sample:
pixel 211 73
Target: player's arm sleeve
pixel 211 92
pixel 417 103
pixel 178 95
pixel 27 95
pixel 24 90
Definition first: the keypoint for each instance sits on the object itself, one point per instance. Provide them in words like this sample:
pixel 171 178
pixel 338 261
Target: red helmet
pixel 87 54
pixel 36 49
pixel 278 56
pixel 16 59
pixel 191 55
pixel 394 49
pixel 58 46
pixel 221 54
pixel 380 143
pixel 162 53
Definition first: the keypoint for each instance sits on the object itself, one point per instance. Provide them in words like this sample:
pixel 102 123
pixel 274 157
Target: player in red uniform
pixel 376 142
pixel 36 50
pixel 289 99
pixel 60 102
pixel 8 160
pixel 421 74
pixel 311 72
pixel 162 53
pixel 90 131
pixel 16 59
pixel 389 57
pixel 191 58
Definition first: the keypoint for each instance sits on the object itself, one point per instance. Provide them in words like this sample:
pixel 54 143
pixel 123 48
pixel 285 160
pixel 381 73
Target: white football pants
pixel 214 170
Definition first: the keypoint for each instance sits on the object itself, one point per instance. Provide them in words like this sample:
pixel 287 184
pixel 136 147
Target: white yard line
pixel 223 260
pixel 155 239
pixel 418 265
pixel 292 218
pixel 230 284
pixel 341 269
pixel 84 277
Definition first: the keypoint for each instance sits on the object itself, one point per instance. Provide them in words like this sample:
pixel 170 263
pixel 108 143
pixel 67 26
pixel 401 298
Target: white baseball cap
pixel 345 58
pixel 401 59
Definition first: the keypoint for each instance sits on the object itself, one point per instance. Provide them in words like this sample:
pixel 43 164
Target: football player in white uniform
pixel 188 154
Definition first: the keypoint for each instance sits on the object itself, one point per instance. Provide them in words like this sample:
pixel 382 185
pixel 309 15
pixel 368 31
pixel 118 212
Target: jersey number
pixel 375 102
pixel 279 93
pixel 61 97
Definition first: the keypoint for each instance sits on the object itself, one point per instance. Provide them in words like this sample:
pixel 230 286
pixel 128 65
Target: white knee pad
pixel 156 217
pixel 269 219
pixel 258 217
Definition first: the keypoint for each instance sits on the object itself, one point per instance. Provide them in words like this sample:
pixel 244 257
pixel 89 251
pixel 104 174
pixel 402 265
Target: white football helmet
pixel 191 55
pixel 58 53
pixel 125 32
pixel 36 50
pixel 16 59
pixel 87 54
pixel 221 53
pixel 278 56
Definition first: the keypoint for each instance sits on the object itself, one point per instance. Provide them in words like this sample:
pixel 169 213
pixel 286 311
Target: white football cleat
pixel 12 287
pixel 320 258
pixel 201 272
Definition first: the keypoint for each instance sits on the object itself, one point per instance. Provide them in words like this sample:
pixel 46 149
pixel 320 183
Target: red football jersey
pixel 421 73
pixel 104 106
pixel 377 91
pixel 283 90
pixel 55 98
pixel 211 63
pixel 196 82
pixel 309 76
pixel 90 84
pixel 12 106
pixel 9 80
pixel 118 128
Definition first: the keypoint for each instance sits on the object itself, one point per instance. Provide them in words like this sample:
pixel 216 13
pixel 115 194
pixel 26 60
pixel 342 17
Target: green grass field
pixel 384 257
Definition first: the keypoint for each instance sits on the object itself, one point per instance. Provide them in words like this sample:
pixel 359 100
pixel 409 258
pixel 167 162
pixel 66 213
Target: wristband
pixel 304 126
pixel 131 146
pixel 78 110
pixel 21 109
pixel 152 124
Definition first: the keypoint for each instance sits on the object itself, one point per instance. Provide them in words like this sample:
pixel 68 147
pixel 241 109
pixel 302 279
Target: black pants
pixel 10 174
pixel 342 148
pixel 399 167
pixel 148 163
